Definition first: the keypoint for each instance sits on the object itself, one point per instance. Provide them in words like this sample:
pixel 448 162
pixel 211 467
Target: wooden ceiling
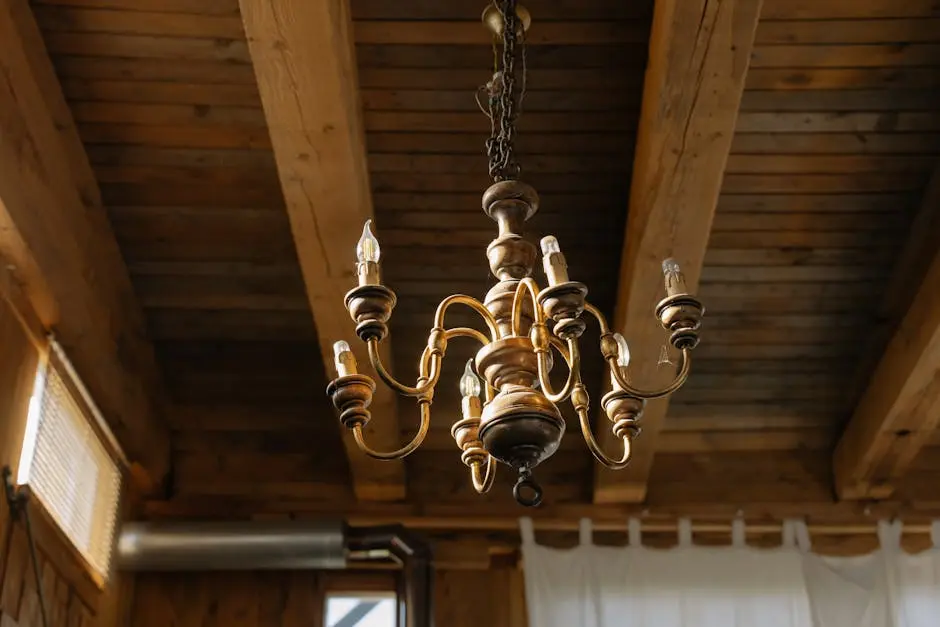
pixel 783 155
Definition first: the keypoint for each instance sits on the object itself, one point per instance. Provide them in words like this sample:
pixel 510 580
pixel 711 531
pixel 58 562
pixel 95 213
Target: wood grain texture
pixel 314 116
pixel 245 599
pixel 685 137
pixel 900 409
pixel 65 252
pixel 848 31
pixel 297 599
pixel 498 598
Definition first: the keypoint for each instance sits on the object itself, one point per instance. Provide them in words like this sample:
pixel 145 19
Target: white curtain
pixel 736 586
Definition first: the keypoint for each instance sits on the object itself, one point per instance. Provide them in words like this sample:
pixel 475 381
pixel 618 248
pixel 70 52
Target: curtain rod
pixel 759 528
pixel 507 523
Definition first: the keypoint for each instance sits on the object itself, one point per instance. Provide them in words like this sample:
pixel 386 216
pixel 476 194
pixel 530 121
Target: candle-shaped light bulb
pixel 623 351
pixel 675 281
pixel 367 250
pixel 470 384
pixel 550 245
pixel 553 262
pixel 339 348
pixel 344 359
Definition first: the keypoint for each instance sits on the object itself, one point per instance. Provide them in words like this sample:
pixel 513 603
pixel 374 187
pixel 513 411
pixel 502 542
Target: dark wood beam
pixel 55 234
pixel 899 410
pixel 474 515
pixel 304 60
pixel 699 55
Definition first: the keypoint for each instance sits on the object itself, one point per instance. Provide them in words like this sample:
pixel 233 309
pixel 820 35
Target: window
pixel 361 610
pixel 67 467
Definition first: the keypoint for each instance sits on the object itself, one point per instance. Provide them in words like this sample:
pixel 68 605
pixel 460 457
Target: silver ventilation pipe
pixel 287 545
pixel 252 545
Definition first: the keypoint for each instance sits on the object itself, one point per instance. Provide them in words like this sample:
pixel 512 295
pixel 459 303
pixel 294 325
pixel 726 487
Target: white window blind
pixel 67 467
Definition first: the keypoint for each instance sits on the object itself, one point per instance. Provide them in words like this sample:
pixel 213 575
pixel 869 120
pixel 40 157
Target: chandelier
pixel 517 421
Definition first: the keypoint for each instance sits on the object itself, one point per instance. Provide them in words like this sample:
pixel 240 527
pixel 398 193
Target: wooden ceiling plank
pixel 836 9
pixel 471 32
pixel 843 78
pixel 203 7
pixel 848 31
pixel 899 411
pixel 304 60
pixel 55 232
pixel 122 22
pixel 203 72
pixel 684 140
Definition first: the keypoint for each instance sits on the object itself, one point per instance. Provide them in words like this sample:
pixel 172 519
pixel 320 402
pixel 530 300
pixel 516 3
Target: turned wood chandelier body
pixel 516 421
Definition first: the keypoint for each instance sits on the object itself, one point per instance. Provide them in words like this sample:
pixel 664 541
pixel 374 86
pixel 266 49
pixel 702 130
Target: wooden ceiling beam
pixel 899 411
pixel 475 515
pixel 304 60
pixel 55 235
pixel 699 55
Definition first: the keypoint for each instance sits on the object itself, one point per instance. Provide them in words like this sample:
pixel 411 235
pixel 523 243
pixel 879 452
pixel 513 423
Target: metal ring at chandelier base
pixel 527 492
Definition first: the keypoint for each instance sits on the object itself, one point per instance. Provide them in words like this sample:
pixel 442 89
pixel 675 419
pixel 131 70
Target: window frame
pixel 52 355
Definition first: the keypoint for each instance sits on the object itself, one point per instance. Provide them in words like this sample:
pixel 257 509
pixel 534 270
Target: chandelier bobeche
pixel 517 421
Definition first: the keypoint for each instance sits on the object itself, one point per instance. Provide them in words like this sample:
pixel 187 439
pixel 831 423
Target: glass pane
pixel 360 610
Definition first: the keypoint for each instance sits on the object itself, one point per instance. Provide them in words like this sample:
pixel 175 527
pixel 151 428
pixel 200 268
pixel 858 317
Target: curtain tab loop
pixel 586 532
pixel 788 534
pixel 685 532
pixel 802 536
pixel 737 533
pixel 527 531
pixel 634 532
pixel 889 534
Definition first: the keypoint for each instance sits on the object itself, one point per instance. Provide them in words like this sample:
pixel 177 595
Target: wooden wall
pixel 464 598
pixel 73 598
pixel 470 598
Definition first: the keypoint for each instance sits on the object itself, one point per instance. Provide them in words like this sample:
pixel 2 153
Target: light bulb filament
pixel 470 384
pixel 368 250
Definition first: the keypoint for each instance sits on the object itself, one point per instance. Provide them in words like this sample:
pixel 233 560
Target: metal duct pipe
pixel 254 545
pixel 416 586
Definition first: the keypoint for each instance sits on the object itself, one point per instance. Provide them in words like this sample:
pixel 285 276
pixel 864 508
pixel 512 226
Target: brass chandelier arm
pixel 473 334
pixel 560 347
pixel 572 357
pixel 685 366
pixel 472 303
pixel 529 285
pixel 595 448
pixel 483 480
pixel 430 371
pixel 404 451
pixel 601 319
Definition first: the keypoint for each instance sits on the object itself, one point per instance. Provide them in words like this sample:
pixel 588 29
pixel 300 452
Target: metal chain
pixel 502 101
